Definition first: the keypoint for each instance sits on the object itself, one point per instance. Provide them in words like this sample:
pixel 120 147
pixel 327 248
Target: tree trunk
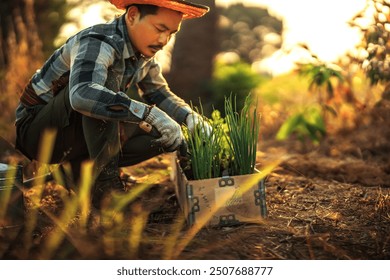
pixel 20 56
pixel 18 30
pixel 192 58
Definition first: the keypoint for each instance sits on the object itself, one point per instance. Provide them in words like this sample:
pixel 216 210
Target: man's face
pixel 151 33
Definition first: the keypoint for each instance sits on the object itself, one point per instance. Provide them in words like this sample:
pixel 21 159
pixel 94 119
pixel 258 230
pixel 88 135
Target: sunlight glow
pixel 321 25
pixel 83 17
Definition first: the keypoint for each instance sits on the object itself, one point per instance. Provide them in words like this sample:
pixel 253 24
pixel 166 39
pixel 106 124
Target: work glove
pixel 194 119
pixel 170 131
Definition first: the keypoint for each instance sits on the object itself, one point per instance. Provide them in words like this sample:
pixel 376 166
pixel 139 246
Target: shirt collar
pixel 128 50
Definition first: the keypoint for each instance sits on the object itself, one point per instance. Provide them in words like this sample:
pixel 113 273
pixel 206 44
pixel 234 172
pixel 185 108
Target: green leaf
pixel 289 126
pixel 307 124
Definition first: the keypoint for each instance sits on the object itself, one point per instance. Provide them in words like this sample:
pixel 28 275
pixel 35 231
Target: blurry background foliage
pixel 27 33
pixel 236 78
pixel 333 84
pixel 306 126
pixel 206 66
pixel 203 63
pixel 251 32
pixel 323 80
pixel 376 43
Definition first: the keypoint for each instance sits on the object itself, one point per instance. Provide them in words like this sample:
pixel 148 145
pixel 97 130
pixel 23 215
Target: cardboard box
pixel 223 201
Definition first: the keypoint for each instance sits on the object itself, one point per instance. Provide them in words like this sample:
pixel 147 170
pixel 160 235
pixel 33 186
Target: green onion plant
pixel 244 130
pixel 205 149
pixel 230 147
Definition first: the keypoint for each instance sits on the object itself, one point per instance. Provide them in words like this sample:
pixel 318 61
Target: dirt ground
pixel 330 201
pixel 324 202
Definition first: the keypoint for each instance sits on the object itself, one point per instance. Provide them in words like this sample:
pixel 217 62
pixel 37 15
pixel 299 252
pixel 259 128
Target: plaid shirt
pixel 102 65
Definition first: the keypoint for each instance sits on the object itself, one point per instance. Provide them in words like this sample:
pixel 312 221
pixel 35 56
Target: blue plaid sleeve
pixel 154 90
pixel 91 59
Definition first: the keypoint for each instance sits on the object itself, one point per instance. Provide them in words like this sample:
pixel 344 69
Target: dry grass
pixel 57 220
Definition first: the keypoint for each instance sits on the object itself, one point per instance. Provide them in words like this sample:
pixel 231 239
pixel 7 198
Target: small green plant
pixel 308 124
pixel 244 130
pixel 311 123
pixel 320 76
pixel 230 147
pixel 206 150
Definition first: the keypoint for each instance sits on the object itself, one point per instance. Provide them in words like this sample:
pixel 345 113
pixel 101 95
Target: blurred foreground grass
pixel 62 225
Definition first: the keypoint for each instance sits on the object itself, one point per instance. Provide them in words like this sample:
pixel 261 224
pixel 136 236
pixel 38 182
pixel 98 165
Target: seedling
pixel 230 148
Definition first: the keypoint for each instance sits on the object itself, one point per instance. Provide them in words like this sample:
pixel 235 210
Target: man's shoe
pixel 127 179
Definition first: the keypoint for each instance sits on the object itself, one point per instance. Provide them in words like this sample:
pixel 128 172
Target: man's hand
pixel 170 130
pixel 194 119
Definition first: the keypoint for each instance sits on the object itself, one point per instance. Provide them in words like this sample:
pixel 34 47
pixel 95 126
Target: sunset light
pixel 320 25
pixel 195 139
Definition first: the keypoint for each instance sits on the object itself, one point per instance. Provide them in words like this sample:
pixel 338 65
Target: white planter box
pixel 222 201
